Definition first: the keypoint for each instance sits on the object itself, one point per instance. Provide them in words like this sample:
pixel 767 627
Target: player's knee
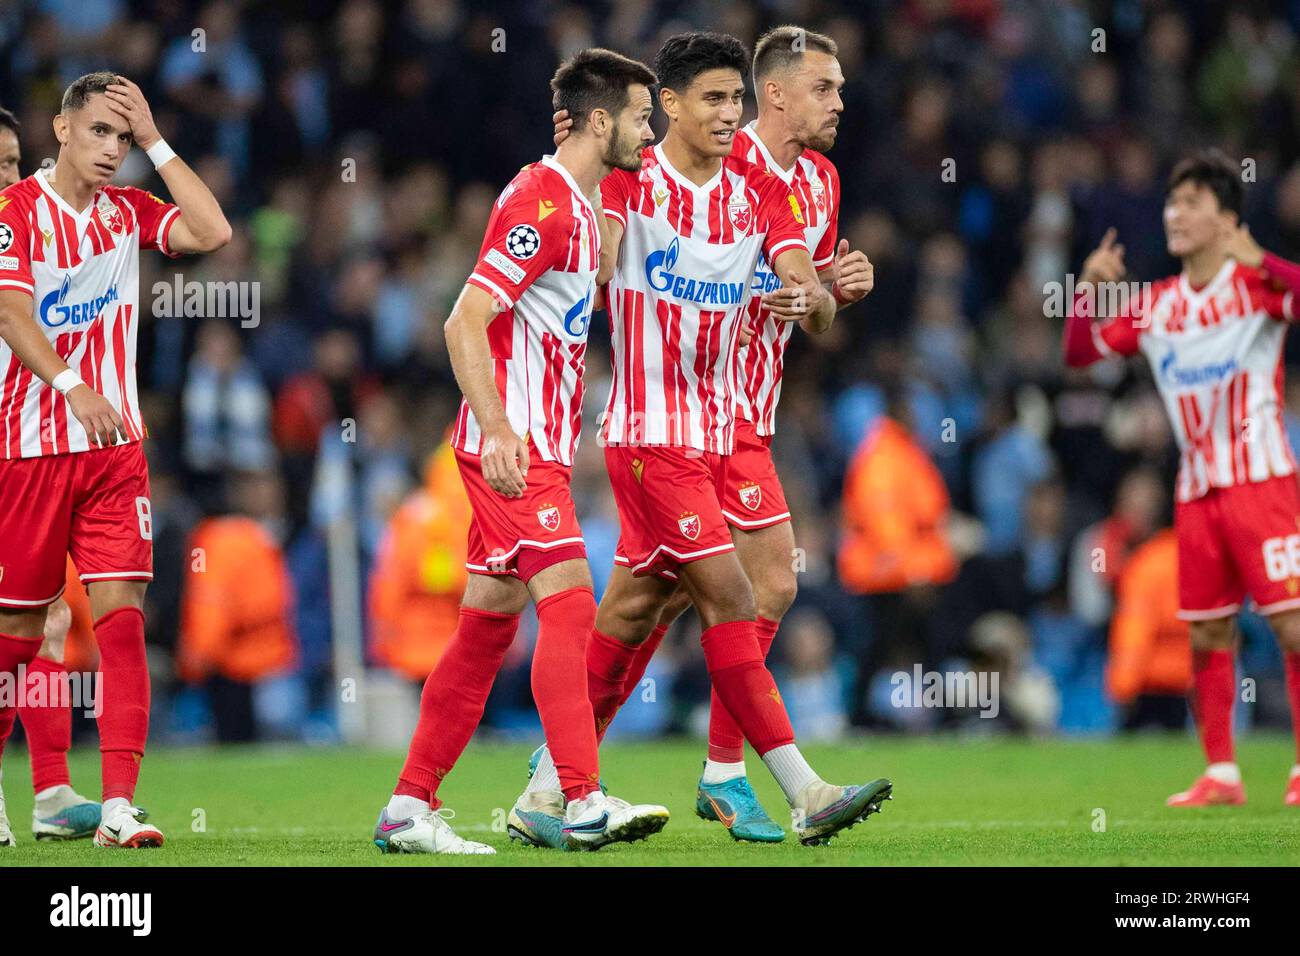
pixel 774 595
pixel 676 606
pixel 730 604
pixel 1212 635
pixel 1287 629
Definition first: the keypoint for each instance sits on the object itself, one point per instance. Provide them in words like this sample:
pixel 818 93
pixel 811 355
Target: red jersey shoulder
pixel 20 196
pixel 536 194
pixel 1256 279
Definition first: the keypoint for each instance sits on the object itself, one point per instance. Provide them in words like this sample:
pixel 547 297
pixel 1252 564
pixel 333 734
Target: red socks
pixel 565 622
pixel 49 728
pixel 726 742
pixel 745 686
pixel 609 662
pixel 14 652
pixel 124 690
pixel 641 661
pixel 453 699
pixel 1293 694
pixel 1214 679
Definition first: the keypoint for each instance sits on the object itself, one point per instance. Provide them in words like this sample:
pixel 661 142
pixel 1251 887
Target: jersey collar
pixel 61 202
pixel 1195 297
pixel 787 175
pixel 681 180
pixel 553 163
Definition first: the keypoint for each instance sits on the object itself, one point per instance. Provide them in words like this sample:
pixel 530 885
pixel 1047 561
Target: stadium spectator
pixel 237 611
pixel 1149 671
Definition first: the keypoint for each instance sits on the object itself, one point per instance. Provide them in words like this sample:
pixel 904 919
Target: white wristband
pixel 160 153
pixel 66 381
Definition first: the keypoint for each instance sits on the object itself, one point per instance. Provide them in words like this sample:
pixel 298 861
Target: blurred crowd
pixel 961 501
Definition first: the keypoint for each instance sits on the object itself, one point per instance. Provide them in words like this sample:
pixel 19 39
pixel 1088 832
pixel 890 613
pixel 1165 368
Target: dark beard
pixel 614 154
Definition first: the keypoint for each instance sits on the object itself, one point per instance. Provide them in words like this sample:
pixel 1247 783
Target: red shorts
pixel 669 506
pixel 1239 540
pixel 753 497
pixel 521 536
pixel 93 505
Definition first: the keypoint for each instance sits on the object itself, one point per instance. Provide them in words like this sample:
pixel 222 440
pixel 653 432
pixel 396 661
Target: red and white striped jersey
pixel 680 292
pixel 816 184
pixel 1216 354
pixel 82 271
pixel 539 261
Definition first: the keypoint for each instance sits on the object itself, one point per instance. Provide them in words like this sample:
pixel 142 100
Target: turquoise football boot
pixel 735 805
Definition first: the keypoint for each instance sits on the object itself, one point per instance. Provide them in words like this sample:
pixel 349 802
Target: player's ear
pixel 60 124
pixel 668 103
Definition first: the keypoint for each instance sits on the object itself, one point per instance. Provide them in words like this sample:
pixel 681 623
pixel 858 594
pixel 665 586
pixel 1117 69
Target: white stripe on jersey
pixel 543 328
pixel 762 361
pixel 85 298
pixel 1217 356
pixel 676 301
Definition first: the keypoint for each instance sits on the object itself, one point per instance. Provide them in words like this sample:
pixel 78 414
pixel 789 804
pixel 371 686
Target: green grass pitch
pixel 964 802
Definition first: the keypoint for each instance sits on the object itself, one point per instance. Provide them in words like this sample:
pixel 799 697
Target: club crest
pixel 548 516
pixel 689 525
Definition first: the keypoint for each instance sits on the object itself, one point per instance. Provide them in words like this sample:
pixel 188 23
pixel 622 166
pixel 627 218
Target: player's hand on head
pixel 1243 247
pixel 505 461
pixel 1106 263
pixel 127 100
pixel 97 416
pixel 855 276
pixel 563 123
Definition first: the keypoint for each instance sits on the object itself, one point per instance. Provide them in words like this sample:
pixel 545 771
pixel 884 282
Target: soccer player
pixel 59 812
pixel 797 77
pixel 517 337
pixel 687 236
pixel 73 478
pixel 1214 335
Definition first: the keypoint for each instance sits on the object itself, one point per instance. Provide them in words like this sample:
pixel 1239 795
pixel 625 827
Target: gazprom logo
pixel 659 273
pixel 578 318
pixel 1177 376
pixel 765 280
pixel 57 311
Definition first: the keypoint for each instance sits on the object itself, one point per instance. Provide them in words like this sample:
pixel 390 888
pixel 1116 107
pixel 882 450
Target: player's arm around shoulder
pixel 200 225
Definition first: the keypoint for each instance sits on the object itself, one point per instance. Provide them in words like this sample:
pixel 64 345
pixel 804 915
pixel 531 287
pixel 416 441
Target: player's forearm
pixel 471 362
pixel 199 208
pixel 794 267
pixel 33 349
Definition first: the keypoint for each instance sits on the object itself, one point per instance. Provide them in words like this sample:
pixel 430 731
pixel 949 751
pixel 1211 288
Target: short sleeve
pixel 154 216
pixel 15 247
pixel 526 236
pixel 616 191
pixel 824 254
pixel 781 218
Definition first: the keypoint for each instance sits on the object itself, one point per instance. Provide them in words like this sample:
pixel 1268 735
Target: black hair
pixel 1212 169
pixel 685 56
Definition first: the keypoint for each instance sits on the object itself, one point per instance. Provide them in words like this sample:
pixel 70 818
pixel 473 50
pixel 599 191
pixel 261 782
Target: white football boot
pixel 123 828
pixel 426 832
pixel 598 820
pixel 6 834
